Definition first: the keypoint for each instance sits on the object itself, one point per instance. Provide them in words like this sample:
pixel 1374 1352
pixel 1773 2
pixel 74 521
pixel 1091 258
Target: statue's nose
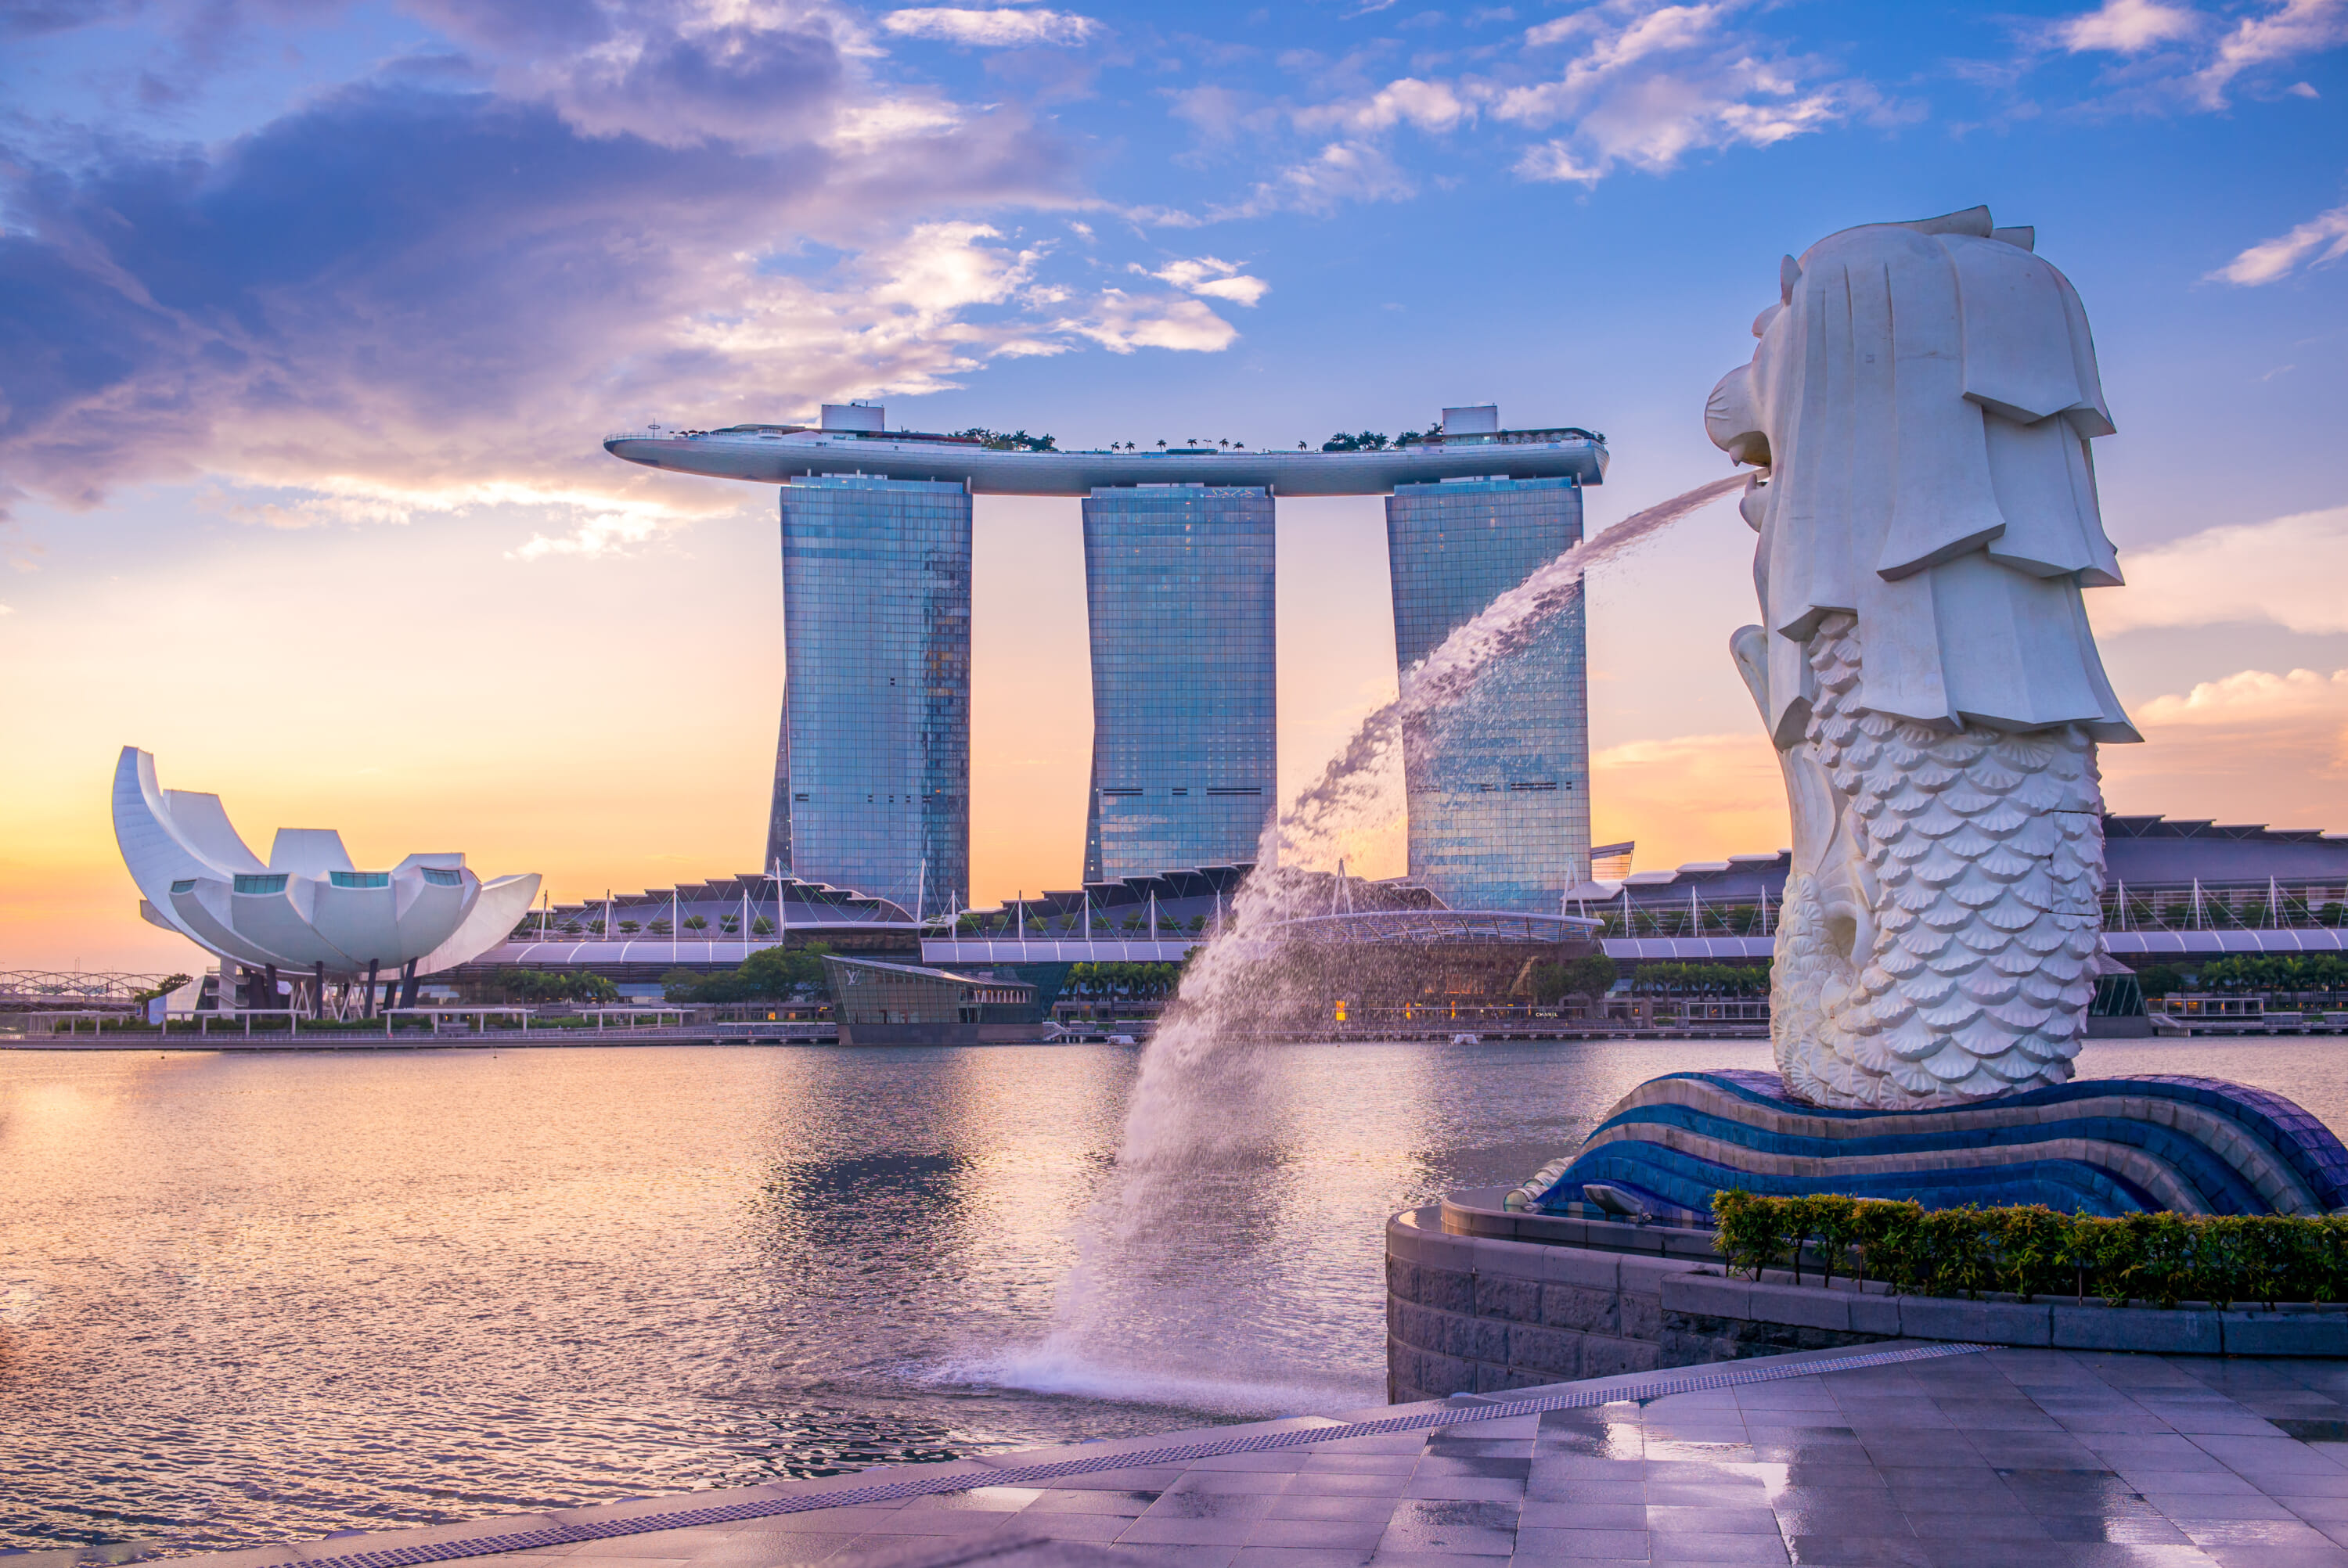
pixel 1733 420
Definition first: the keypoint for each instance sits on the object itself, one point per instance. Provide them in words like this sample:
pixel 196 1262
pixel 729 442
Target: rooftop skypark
pixel 853 439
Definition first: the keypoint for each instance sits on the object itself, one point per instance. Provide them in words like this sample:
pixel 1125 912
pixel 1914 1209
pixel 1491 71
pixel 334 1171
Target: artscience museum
pixel 308 924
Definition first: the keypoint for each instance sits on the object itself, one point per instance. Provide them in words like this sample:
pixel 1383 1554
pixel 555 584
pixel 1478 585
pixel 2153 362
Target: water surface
pixel 249 1298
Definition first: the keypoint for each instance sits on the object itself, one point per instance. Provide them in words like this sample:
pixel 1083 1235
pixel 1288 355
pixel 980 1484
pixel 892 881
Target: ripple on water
pixel 250 1298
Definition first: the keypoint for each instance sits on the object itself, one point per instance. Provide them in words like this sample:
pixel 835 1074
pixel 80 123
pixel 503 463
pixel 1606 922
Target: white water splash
pixel 1193 1134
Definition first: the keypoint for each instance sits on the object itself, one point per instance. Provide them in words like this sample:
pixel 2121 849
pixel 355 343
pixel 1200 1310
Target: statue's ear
pixel 1789 272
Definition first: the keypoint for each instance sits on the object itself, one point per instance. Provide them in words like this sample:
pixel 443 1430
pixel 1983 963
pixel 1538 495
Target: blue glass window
pixel 1498 786
pixel 273 882
pixel 359 878
pixel 1178 593
pixel 872 762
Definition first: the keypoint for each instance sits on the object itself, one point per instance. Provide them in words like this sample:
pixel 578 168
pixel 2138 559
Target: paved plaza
pixel 1984 1458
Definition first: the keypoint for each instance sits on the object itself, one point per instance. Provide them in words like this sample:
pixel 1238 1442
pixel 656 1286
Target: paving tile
pixel 1293 1505
pixel 765 1548
pixel 1356 1535
pixel 1582 1516
pixel 669 1544
pixel 2210 1505
pixel 820 1521
pixel 1190 1555
pixel 2174 1483
pixel 1728 1493
pixel 1697 1548
pixel 1174 1530
pixel 1072 1526
pixel 998 1499
pixel 1358 1464
pixel 2132 1530
pixel 956 1521
pixel 1669 1520
pixel 1327 1483
pixel 2277 1557
pixel 1234 1480
pixel 1463 1488
pixel 1101 1502
pixel 1488 1528
pixel 1859 1551
pixel 1632 1492
pixel 1232 1506
pixel 1491 1468
pixel 1544 1545
pixel 2253 1532
pixel 1298 1557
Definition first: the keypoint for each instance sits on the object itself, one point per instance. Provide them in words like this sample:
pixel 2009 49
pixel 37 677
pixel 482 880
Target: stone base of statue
pixel 2102 1146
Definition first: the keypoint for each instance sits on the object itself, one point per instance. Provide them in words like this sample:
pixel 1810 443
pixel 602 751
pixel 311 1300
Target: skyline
pixel 312 318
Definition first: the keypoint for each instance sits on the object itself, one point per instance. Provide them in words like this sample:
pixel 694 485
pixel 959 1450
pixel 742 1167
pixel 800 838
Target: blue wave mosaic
pixel 2099 1145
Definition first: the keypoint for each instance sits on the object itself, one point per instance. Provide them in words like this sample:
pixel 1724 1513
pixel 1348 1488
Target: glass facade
pixel 1499 784
pixel 872 767
pixel 1178 594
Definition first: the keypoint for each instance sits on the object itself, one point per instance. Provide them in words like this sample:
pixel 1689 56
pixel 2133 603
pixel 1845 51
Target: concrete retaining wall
pixel 1481 1314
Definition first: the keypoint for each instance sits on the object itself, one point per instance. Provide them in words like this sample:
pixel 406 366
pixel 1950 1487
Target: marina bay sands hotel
pixel 872 769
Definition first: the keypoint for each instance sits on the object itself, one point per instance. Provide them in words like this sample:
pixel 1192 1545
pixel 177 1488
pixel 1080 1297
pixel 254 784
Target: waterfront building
pixel 1498 786
pixel 871 777
pixel 872 763
pixel 1179 599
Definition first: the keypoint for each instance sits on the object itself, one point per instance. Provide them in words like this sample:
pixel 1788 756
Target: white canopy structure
pixel 308 908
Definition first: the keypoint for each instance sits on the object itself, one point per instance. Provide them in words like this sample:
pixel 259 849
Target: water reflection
pixel 249 1297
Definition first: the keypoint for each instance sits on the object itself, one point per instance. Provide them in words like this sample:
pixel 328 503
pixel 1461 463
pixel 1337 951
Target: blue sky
pixel 339 299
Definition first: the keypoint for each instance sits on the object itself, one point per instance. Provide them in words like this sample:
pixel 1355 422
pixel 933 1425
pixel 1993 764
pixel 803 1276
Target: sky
pixel 313 316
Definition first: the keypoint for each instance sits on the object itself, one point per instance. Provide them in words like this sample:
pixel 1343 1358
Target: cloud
pixel 2288 31
pixel 2287 570
pixel 1650 84
pixel 2252 696
pixel 407 290
pixel 1429 105
pixel 2326 232
pixel 1210 276
pixel 2252 746
pixel 2127 27
pixel 992 29
pixel 1342 171
pixel 1122 322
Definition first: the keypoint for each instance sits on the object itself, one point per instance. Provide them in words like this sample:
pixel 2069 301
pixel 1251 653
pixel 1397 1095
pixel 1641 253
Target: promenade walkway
pixel 1931 1456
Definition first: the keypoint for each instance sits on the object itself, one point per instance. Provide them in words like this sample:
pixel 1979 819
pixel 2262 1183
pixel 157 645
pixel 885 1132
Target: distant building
pixel 910 1004
pixel 872 766
pixel 1178 596
pixel 1498 786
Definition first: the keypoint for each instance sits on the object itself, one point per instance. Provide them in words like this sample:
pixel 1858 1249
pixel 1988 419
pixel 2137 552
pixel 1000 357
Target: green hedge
pixel 2031 1250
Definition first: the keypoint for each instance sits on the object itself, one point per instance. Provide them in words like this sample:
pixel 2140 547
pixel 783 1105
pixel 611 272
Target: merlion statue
pixel 1917 413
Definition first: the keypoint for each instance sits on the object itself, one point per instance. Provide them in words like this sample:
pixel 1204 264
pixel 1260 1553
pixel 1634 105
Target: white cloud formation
pixel 1210 276
pixel 2252 746
pixel 1429 105
pixel 1122 322
pixel 996 29
pixel 1649 84
pixel 2253 696
pixel 2287 570
pixel 2324 237
pixel 2286 32
pixel 1342 171
pixel 2127 27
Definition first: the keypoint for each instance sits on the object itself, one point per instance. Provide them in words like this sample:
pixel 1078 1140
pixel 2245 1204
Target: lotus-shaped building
pixel 308 908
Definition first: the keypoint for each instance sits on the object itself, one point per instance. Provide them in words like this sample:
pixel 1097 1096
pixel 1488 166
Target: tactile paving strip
pixel 1686 1382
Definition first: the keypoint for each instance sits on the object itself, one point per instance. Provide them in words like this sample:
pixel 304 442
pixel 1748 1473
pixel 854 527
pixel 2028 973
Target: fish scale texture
pixel 1980 855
